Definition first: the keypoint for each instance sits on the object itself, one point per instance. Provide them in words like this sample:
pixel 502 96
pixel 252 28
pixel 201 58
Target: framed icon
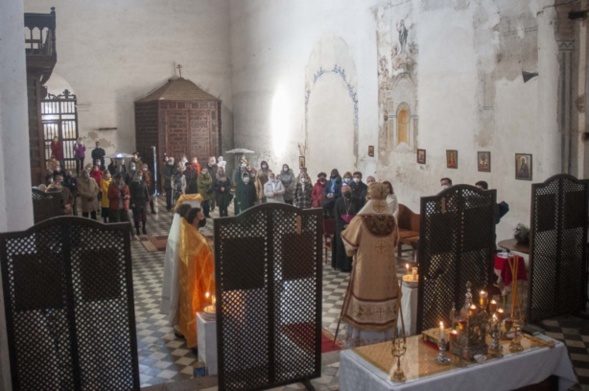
pixel 421 156
pixel 451 158
pixel 484 161
pixel 301 162
pixel 523 166
pixel 371 150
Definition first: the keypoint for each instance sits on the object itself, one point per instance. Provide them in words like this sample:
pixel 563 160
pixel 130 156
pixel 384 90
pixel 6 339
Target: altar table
pixel 364 368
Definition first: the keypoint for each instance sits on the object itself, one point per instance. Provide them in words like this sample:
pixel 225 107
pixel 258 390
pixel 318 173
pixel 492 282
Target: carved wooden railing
pixel 40 43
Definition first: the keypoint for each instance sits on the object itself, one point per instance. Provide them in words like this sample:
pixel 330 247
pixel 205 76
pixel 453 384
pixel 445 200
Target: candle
pixel 407 267
pixel 494 318
pixel 442 333
pixel 415 273
pixel 453 336
pixel 492 306
pixel 472 310
pixel 461 324
pixel 500 313
pixel 483 298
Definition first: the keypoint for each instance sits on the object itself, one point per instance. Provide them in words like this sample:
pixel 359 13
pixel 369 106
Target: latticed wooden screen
pixel 558 240
pixel 46 205
pixel 456 245
pixel 68 293
pixel 268 270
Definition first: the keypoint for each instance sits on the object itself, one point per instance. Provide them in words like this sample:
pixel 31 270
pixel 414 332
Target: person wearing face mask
pixel 148 183
pixel 245 193
pixel 195 274
pixel 221 163
pixel 191 179
pixel 347 179
pixel 57 150
pixel 273 189
pixel 104 201
pixel 168 172
pixel 317 193
pixel 206 188
pixel 223 191
pixel 261 179
pixel 288 181
pixel 445 183
pixel 131 173
pixel 212 167
pixel 391 199
pixel 118 197
pixel 79 155
pixel 302 193
pixel 178 183
pixel 97 175
pixel 332 191
pixel 136 160
pixel 88 193
pixel 139 198
pixel 344 211
pixel 359 190
pixel 98 153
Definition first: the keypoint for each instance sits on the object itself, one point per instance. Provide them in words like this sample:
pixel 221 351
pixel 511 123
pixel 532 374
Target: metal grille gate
pixel 268 270
pixel 457 245
pixel 59 118
pixel 68 293
pixel 558 240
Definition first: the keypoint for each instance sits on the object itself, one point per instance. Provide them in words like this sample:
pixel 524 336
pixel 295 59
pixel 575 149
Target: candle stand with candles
pixel 472 323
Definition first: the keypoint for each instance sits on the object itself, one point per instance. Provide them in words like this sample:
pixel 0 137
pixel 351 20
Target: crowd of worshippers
pixel 96 189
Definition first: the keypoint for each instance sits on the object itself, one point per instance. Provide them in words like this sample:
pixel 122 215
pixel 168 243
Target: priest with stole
pixel 373 296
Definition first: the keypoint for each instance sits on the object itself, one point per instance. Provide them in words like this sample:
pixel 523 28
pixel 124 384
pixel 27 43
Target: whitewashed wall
pixel 470 90
pixel 113 52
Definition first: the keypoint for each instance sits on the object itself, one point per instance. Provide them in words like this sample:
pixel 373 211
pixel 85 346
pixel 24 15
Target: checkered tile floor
pixel 163 357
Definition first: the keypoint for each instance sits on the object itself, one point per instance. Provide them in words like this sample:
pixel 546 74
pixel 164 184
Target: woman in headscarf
pixel 223 191
pixel 373 295
pixel 288 181
pixel 302 194
pixel 344 211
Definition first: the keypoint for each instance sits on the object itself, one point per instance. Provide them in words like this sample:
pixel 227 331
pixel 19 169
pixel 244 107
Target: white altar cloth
pixel 510 372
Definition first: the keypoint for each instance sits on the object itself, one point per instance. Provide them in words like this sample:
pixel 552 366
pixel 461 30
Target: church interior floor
pixel 165 362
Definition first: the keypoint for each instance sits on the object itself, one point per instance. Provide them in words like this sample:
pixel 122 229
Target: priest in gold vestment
pixel 371 303
pixel 195 274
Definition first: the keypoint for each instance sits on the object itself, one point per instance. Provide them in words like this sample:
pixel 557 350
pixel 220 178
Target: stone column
pixel 16 207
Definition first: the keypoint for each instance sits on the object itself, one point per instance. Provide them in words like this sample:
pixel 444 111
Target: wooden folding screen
pixel 268 270
pixel 456 245
pixel 558 247
pixel 68 291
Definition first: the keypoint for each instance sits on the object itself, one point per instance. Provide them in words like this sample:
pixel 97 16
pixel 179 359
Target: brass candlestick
pixel 398 350
pixel 495 347
pixel 442 358
pixel 516 345
pixel 399 346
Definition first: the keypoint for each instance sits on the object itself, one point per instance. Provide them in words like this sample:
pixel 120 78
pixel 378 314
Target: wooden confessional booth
pixel 177 119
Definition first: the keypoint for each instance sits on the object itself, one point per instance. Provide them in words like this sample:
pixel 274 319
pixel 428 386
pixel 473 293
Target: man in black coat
pixel 98 154
pixel 168 171
pixel 359 190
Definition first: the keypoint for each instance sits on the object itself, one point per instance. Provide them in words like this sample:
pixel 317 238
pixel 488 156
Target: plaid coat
pixel 302 196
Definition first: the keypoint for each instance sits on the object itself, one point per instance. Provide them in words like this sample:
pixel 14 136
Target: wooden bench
pixel 408 223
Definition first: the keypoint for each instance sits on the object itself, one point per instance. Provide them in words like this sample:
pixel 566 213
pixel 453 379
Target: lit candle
pixel 415 273
pixel 492 306
pixel 472 310
pixel 500 313
pixel 494 318
pixel 453 336
pixel 207 295
pixel 407 267
pixel 483 297
pixel 442 333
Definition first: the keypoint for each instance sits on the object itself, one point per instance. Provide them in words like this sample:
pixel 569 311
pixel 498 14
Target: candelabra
pixel 398 350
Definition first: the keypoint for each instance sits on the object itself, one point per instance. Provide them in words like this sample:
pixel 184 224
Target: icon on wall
pixel 451 158
pixel 523 166
pixel 421 156
pixel 371 150
pixel 301 162
pixel 484 161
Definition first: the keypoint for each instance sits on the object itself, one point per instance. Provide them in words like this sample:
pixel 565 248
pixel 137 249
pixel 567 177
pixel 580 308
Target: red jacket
pixel 97 175
pixel 317 194
pixel 57 150
pixel 115 194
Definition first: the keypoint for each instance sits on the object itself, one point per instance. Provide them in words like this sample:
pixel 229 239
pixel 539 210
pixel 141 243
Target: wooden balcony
pixel 40 44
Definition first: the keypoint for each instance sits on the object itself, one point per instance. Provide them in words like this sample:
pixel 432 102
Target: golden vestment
pixel 373 295
pixel 195 274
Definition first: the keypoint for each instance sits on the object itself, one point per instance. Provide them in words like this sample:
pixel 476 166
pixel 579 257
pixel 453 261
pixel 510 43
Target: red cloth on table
pixel 502 265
